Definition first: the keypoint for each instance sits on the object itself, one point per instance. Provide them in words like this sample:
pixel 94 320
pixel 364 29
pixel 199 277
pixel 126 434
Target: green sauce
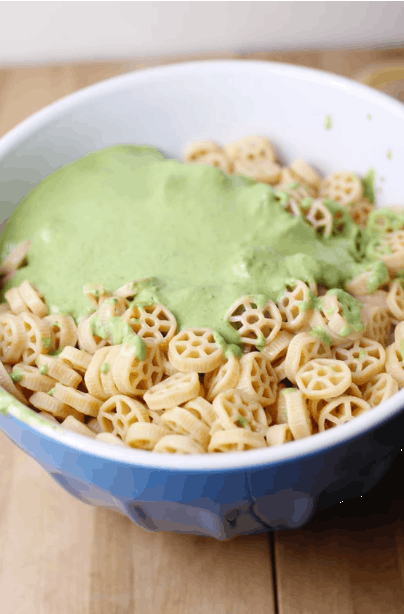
pixel 121 333
pixel 319 332
pixel 197 238
pixel 16 376
pixel 351 312
pixel 43 369
pixel 260 343
pixel 47 343
pixel 368 185
pixel 105 367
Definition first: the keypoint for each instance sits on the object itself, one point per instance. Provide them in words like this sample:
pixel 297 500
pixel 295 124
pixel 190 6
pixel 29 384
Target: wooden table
pixel 59 556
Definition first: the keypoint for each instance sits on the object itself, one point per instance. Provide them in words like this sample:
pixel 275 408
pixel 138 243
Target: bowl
pixel 220 495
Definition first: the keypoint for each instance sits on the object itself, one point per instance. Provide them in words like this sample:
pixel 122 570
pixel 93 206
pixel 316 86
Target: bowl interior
pixel 170 106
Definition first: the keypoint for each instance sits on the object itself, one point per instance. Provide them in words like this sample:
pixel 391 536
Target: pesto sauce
pixel 196 237
pixel 321 334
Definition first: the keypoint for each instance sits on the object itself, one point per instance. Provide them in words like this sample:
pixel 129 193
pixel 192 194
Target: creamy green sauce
pixel 43 369
pixel 105 367
pixel 320 333
pixel 351 312
pixel 16 376
pixel 120 332
pixel 197 238
pixel 368 185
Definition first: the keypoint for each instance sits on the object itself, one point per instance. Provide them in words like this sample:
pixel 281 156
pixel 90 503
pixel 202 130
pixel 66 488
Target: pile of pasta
pixel 301 367
pixel 187 393
pixel 255 157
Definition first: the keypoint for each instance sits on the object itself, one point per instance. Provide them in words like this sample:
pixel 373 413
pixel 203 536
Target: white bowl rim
pixel 309 446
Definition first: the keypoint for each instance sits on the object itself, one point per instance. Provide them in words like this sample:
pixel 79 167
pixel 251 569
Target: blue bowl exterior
pixel 220 504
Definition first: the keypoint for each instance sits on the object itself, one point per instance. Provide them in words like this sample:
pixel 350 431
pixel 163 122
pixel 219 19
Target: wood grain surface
pixel 60 556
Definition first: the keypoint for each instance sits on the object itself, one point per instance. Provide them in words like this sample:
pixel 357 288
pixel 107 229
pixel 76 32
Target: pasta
pixel 307 359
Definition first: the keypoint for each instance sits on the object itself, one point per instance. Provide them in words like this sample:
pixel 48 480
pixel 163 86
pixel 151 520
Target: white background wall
pixel 62 31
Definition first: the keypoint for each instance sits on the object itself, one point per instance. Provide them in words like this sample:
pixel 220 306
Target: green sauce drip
pixel 51 391
pixel 306 203
pixel 378 276
pixel 313 302
pixel 260 342
pixel 368 185
pixel 56 352
pixel 105 367
pixel 47 343
pixel 318 331
pixel 228 349
pixel 16 376
pixel 43 369
pixel 121 333
pixel 351 311
pixel 241 421
pixel 328 122
pixel 287 390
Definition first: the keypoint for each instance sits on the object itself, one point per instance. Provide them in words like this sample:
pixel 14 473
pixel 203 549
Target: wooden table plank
pixel 156 573
pixel 348 558
pixel 45 541
pixel 61 556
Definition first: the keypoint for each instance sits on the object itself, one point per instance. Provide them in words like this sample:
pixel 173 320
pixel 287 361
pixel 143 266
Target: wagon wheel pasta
pixel 72 424
pixel 154 322
pixel 295 306
pixel 378 323
pixel 305 173
pixel 39 337
pixel 195 349
pixel 50 405
pixel 184 422
pixel 395 299
pixel 13 338
pixel 278 434
pixel 201 409
pixel 31 378
pixel 58 370
pixel 224 377
pixel 278 346
pixel 258 378
pixel 81 401
pixel 64 330
pixel 343 188
pixel 395 364
pixel 380 388
pixel 236 408
pixel 320 218
pixel 144 435
pixel 235 440
pixel 76 359
pixel 32 299
pixel 365 358
pixel 177 389
pixel 178 444
pixel 133 376
pixel 88 339
pixel 341 410
pixel 119 412
pixel 303 348
pixel 323 378
pixel 253 323
pixel 298 414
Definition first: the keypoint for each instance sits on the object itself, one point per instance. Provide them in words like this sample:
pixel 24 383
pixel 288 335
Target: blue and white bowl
pixel 220 495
